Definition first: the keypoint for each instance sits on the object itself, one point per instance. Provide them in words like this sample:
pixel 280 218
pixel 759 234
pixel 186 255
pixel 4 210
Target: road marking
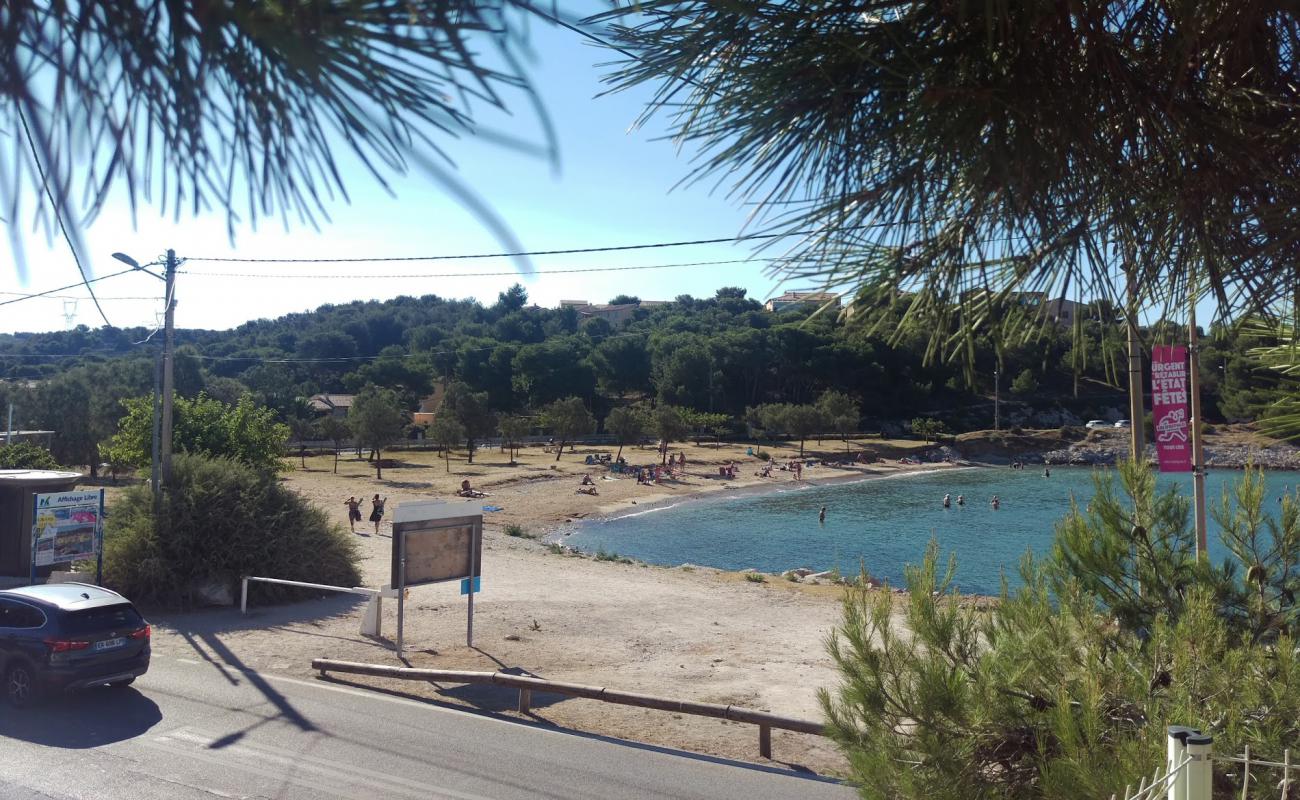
pixel 302 769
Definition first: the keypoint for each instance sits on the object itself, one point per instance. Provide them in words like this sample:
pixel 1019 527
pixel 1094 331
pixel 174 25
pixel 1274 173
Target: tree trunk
pixel 379 464
pixel 801 441
pixel 336 459
pixel 446 457
pixel 620 451
pixel 469 449
pixel 559 451
pixel 302 455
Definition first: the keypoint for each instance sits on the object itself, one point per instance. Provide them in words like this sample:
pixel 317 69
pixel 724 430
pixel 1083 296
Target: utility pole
pixel 9 427
pixel 1136 414
pixel 997 408
pixel 169 358
pixel 1198 452
pixel 156 448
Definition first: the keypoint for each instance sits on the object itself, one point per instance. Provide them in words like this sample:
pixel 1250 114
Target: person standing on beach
pixel 377 510
pixel 354 512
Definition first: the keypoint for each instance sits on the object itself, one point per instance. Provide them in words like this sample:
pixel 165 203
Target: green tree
pixel 203 426
pixel 471 410
pixel 1026 383
pixel 927 428
pixel 297 74
pixel 567 420
pixel 337 431
pixel 546 372
pixel 1064 688
pixel 628 424
pixel 25 455
pixel 376 420
pixel 704 423
pixel 447 432
pixel 302 430
pixel 669 426
pixel 622 365
pixel 513 430
pixel 840 413
pixel 1051 123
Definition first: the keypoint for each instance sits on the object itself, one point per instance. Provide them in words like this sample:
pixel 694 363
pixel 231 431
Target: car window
pixel 19 615
pixel 121 617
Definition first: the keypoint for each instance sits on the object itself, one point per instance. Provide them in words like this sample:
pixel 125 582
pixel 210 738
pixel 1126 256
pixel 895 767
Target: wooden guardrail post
pixel 765 741
pixel 525 700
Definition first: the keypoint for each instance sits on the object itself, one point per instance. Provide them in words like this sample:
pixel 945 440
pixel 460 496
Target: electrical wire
pixel 58 215
pixel 474 274
pixel 65 288
pixel 560 252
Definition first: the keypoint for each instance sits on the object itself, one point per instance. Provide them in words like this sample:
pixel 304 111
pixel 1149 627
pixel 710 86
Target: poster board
pixel 67 527
pixel 438 542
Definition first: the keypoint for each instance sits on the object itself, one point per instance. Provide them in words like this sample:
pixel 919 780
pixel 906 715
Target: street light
pixel 163 431
pixel 997 408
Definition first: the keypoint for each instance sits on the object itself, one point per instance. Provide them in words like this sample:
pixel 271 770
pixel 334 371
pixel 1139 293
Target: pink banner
pixel 1169 408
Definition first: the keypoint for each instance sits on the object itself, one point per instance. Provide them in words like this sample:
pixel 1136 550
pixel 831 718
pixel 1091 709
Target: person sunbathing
pixel 585 489
pixel 468 491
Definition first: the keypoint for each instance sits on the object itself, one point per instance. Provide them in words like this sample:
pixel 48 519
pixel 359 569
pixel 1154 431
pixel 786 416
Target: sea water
pixel 881 523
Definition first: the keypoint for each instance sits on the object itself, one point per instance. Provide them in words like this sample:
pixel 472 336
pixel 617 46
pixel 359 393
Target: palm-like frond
pixel 963 151
pixel 241 105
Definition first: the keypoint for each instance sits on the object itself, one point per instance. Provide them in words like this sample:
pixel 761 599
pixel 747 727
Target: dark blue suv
pixel 65 636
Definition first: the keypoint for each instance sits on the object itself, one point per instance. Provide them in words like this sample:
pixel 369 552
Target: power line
pixel 58 215
pixel 65 288
pixel 521 253
pixel 507 273
pixel 27 296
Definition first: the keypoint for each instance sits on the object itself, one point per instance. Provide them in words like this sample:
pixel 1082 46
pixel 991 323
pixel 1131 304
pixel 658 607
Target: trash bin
pixel 17 488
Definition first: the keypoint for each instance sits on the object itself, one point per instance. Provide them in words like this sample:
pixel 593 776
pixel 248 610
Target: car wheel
pixel 122 684
pixel 21 689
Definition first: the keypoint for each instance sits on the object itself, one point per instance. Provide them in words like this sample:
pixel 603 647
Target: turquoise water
pixel 882 523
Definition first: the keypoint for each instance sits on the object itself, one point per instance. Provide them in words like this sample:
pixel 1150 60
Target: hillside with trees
pixel 798 373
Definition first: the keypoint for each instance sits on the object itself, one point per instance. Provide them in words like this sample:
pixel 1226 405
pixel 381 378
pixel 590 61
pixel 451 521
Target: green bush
pixel 1062 691
pixel 203 426
pixel 24 455
pixel 221 520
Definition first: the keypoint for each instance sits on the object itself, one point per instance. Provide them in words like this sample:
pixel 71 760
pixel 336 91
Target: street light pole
pixel 169 359
pixel 162 443
pixel 997 408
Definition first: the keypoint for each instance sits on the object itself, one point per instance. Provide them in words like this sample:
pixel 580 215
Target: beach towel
pixel 493 508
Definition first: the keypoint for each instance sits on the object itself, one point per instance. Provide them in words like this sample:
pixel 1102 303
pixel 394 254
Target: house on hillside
pixel 795 299
pixel 613 314
pixel 335 405
pixel 428 410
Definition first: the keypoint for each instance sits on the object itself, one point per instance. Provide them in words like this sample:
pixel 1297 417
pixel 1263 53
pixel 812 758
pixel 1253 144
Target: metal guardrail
pixel 526 685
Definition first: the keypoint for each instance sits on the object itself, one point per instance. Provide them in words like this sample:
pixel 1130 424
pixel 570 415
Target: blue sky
pixel 613 186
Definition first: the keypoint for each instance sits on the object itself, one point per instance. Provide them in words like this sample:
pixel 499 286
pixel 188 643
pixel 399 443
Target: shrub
pixel 516 530
pixel 755 577
pixel 203 426
pixel 601 555
pixel 220 520
pixel 1063 690
pixel 25 455
pixel 763 455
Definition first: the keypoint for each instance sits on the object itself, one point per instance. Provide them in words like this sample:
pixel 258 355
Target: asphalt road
pixel 190 729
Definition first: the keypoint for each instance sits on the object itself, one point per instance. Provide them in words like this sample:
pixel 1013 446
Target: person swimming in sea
pixel 822 516
pixel 947 501
pixel 961 499
pixel 1047 472
pixel 996 503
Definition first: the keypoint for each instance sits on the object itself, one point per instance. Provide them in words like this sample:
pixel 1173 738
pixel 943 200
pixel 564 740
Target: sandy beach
pixel 686 632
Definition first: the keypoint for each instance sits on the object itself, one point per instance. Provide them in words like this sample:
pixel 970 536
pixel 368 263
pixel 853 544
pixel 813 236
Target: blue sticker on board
pixel 464 585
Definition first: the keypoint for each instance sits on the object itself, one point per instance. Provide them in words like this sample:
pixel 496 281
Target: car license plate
pixel 109 644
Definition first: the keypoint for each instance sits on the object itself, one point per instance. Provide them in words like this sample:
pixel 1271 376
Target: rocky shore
pixel 1221 456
